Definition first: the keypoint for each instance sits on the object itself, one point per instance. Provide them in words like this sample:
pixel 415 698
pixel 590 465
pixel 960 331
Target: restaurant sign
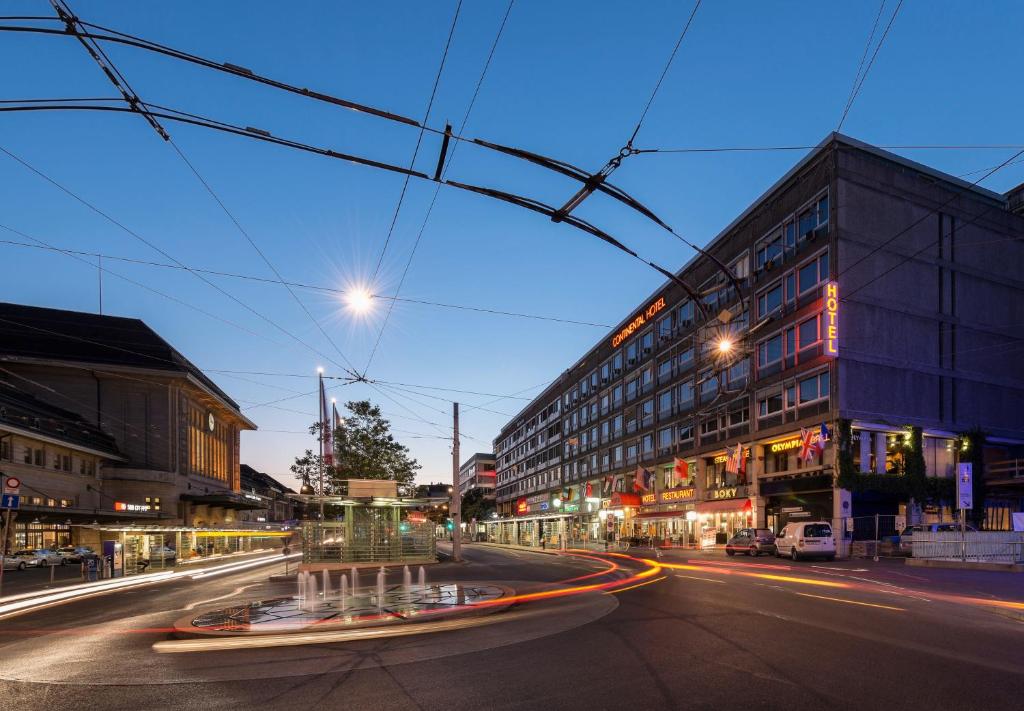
pixel 139 508
pixel 792 443
pixel 727 492
pixel 670 496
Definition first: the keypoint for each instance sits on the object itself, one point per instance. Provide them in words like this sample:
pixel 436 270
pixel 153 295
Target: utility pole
pixel 455 507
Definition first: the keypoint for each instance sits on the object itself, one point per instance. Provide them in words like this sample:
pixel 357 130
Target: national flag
pixel 337 417
pixel 824 435
pixel 326 434
pixel 732 462
pixel 606 486
pixel 807 449
pixel 642 480
pixel 681 470
pixel 590 490
pixel 741 460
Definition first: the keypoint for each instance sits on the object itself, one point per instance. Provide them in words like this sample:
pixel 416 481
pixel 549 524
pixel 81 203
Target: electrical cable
pixel 874 55
pixel 301 285
pixel 863 56
pixel 664 72
pixel 419 141
pixel 441 176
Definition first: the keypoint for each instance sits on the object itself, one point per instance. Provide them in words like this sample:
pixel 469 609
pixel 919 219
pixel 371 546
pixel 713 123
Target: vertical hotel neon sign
pixel 831 319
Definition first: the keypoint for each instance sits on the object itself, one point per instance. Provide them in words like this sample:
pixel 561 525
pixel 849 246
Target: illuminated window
pixel 208 447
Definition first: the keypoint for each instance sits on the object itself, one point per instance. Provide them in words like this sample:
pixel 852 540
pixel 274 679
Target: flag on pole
pixel 589 490
pixel 642 480
pixel 808 450
pixel 336 418
pixel 681 470
pixel 732 461
pixel 741 460
pixel 824 435
pixel 326 435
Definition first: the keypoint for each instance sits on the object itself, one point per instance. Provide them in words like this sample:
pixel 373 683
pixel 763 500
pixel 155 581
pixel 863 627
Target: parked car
pixel 41 557
pixel 806 539
pixel 73 554
pixel 162 553
pixel 12 563
pixel 907 534
pixel 752 541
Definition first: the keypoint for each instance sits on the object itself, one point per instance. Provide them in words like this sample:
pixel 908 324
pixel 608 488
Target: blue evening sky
pixel 568 79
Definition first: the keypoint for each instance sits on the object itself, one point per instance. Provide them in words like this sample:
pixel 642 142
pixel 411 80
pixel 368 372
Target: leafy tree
pixel 363 449
pixel 476 505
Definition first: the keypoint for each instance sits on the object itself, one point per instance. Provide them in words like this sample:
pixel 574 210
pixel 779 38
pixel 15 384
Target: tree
pixel 476 505
pixel 363 449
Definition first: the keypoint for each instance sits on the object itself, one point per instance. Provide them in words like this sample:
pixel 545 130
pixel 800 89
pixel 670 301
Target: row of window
pixel 42 457
pixel 786 237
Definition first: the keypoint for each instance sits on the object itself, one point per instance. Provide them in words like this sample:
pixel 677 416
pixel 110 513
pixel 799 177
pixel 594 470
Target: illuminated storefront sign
pixel 687 493
pixel 670 496
pixel 792 443
pixel 639 320
pixel 522 507
pixel 831 319
pixel 727 492
pixel 122 506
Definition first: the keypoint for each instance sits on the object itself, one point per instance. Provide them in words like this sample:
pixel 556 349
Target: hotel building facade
pixel 868 296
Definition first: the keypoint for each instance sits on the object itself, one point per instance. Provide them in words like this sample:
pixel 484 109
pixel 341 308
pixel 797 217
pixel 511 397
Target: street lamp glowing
pixel 359 300
pixel 320 369
pixel 724 345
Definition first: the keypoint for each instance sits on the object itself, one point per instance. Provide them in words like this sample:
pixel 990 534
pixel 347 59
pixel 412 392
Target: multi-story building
pixel 130 427
pixel 863 297
pixel 277 501
pixel 478 472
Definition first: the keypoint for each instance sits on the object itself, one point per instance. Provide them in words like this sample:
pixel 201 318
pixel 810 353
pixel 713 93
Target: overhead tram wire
pixel 863 57
pixel 864 76
pixel 419 141
pixel 300 285
pixel 440 175
pixel 162 252
pixel 120 83
pixel 768 149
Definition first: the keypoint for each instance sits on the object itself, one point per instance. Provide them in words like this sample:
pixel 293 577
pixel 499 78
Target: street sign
pixel 10 501
pixel 12 484
pixel 964 486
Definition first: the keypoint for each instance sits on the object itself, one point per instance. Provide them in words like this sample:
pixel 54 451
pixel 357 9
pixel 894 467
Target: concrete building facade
pixel 862 297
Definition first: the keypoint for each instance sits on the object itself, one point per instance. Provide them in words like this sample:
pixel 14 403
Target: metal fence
pixel 368 542
pixel 977 546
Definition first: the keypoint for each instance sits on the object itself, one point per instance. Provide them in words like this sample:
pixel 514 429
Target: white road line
pixel 194 605
pixel 707 580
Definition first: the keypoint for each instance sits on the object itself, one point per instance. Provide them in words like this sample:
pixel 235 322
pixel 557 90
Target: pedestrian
pixel 143 564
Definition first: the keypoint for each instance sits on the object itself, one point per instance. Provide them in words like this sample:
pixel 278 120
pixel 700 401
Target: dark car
pixel 752 541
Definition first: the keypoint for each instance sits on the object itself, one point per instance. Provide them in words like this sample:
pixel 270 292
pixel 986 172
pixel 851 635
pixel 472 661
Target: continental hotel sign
pixel 639 321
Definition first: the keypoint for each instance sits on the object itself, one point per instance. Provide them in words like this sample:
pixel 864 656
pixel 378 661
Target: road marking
pixel 611 592
pixel 694 577
pixel 852 602
pixel 848 570
pixel 194 605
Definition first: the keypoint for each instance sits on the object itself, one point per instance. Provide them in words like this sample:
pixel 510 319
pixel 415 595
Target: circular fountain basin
pixel 365 607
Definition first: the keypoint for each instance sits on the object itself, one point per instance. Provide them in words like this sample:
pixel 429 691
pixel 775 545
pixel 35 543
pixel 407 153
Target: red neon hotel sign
pixel 831 319
pixel 639 320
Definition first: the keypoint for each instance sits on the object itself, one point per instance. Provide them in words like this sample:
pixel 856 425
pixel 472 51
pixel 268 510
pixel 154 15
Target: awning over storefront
pixel 226 500
pixel 743 505
pixel 660 514
pixel 622 498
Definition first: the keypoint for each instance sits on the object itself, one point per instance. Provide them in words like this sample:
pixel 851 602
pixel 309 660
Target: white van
pixel 806 539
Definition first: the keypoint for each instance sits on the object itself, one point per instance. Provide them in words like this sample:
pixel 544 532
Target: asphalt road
pixel 703 632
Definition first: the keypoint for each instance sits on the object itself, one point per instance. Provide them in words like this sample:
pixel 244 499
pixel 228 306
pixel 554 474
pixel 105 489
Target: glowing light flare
pixel 725 346
pixel 359 300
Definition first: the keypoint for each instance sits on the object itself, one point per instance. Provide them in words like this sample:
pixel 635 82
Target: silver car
pixel 907 534
pixel 39 558
pixel 12 563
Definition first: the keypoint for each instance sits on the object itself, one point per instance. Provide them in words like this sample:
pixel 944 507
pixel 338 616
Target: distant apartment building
pixel 277 501
pixel 863 298
pixel 478 472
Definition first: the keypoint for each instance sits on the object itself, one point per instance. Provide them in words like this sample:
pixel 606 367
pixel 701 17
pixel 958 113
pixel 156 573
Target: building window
pixel 709 426
pixel 665 403
pixel 813 273
pixel 685 432
pixel 5 449
pixel 814 388
pixel 769 351
pixel 647 342
pixel 632 352
pixel 810 332
pixel 617 364
pixel 769 300
pixel 708 385
pixel 647 413
pixel 647 444
pixel 684 396
pixel 769 405
pixel 664 370
pixel 665 328
pixel 665 439
pixel 208 447
pixel 685 359
pixel 40 457
pixel 738 417
pixel 768 249
pixel 684 315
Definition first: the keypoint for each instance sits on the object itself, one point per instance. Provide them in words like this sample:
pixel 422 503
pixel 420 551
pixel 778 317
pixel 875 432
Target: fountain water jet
pixel 344 592
pixel 355 579
pixel 423 577
pixel 406 577
pixel 310 593
pixel 327 585
pixel 380 588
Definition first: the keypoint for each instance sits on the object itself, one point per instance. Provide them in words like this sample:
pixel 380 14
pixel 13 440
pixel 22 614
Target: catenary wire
pixel 874 55
pixel 300 285
pixel 863 57
pixel 419 141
